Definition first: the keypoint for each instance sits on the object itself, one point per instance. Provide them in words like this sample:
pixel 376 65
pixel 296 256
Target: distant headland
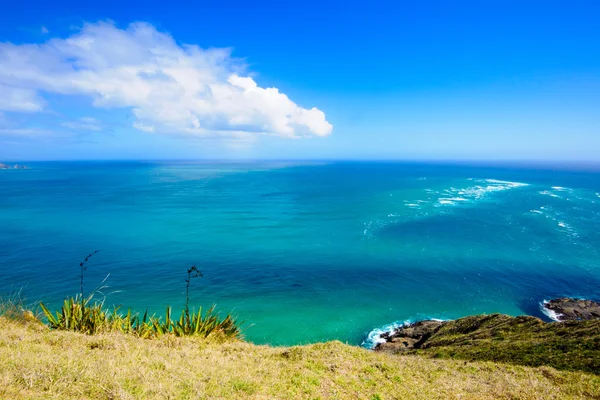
pixel 15 166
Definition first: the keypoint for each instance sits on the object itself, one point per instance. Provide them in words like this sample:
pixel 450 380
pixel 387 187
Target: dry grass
pixel 14 305
pixel 38 363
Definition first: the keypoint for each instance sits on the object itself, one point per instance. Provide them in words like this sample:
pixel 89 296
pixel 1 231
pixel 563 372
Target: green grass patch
pixel 570 345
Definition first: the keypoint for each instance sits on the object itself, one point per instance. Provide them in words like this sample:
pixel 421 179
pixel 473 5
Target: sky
pixel 377 80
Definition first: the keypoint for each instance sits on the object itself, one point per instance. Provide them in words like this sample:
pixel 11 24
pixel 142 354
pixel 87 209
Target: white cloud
pixel 45 30
pixel 170 88
pixel 19 99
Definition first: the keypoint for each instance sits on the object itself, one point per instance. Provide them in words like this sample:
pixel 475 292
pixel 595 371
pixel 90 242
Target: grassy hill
pixel 569 345
pixel 37 363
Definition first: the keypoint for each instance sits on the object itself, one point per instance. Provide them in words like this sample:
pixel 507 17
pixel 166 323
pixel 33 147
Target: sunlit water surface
pixel 304 252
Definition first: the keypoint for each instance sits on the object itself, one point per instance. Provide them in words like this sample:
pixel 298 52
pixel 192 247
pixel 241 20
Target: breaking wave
pixel 481 189
pixel 374 337
pixel 553 315
pixel 474 190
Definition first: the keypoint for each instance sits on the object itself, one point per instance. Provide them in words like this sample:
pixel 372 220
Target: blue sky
pixel 435 80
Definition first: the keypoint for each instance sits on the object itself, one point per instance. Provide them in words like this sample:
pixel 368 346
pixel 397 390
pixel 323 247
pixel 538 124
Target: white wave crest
pixel 568 229
pixel 453 196
pixel 445 201
pixel 569 194
pixel 553 315
pixel 451 200
pixel 375 336
pixel 549 193
pixel 450 197
pixel 507 183
pixel 557 218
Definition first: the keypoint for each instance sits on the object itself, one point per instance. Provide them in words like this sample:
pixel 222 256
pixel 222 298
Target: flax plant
pixel 192 323
pixel 85 315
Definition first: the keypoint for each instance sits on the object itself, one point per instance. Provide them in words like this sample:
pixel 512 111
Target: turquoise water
pixel 304 252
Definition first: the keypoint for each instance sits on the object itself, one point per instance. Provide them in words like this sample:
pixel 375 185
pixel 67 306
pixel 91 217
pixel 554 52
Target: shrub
pixel 84 315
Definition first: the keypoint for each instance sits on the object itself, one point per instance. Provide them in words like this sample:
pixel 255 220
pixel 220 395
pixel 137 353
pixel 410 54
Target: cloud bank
pixel 170 88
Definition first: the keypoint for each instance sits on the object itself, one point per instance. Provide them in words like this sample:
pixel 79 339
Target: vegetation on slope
pixel 86 351
pixel 36 362
pixel 84 314
pixel 569 345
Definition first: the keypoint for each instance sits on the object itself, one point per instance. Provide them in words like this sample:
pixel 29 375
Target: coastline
pixel 475 357
pixel 556 310
pixel 570 342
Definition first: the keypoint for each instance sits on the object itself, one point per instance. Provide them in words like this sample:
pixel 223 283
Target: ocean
pixel 304 252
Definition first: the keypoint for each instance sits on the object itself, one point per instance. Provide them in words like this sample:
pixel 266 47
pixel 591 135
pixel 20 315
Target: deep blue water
pixel 304 252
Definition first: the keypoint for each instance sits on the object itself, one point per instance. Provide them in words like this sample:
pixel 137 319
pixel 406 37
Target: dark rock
pixel 408 337
pixel 567 309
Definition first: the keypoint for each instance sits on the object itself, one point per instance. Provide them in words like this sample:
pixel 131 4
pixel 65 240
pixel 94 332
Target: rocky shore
pixel 411 336
pixel 572 343
pixel 415 335
pixel 567 309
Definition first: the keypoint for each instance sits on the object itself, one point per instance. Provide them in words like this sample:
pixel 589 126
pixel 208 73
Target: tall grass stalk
pixel 90 316
pixel 83 267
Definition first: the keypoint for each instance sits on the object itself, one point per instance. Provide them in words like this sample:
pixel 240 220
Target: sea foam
pixel 374 337
pixel 549 193
pixel 453 195
pixel 553 315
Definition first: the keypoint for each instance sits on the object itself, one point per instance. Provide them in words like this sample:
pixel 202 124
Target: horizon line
pixel 498 162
